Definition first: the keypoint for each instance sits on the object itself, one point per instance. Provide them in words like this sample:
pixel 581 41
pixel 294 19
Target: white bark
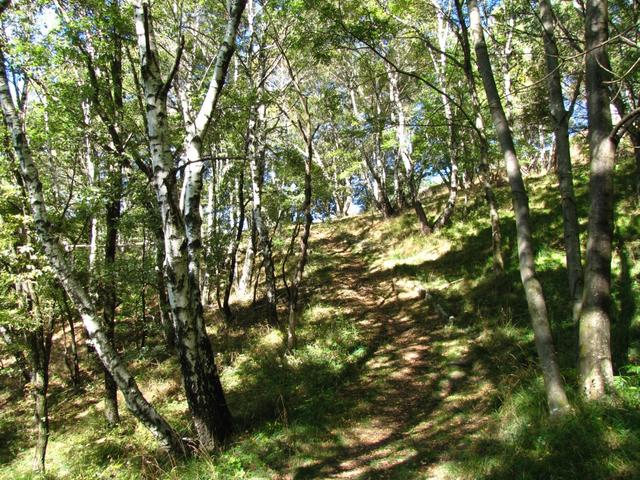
pixel 403 137
pixel 74 287
pixel 204 392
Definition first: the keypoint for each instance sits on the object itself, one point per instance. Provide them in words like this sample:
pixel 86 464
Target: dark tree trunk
pixel 166 318
pixel 595 367
pixel 554 384
pixel 565 176
pixel 38 342
pixel 294 290
pixel 39 387
pixel 72 361
pixel 233 253
pixel 40 352
pixel 109 294
pixel 425 227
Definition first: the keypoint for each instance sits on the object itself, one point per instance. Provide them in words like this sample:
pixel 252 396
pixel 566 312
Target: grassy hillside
pixel 387 382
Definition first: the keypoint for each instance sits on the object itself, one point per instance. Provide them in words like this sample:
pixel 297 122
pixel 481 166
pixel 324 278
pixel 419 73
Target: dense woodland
pixel 319 239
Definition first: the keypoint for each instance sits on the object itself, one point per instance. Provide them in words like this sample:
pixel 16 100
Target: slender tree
pixel 554 384
pixel 496 234
pixel 560 117
pixel 70 280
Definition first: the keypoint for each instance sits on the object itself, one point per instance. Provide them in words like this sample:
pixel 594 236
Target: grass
pixel 383 385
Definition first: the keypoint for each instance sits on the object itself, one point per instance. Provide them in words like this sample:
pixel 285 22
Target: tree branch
pixel 623 125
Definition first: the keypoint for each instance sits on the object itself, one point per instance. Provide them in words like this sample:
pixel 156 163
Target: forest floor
pixel 420 394
pixel 415 360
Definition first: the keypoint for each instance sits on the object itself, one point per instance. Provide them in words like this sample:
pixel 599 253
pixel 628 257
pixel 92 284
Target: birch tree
pixel 182 227
pixel 75 288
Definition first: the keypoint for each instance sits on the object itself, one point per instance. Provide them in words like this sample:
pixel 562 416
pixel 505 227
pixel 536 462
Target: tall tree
pixel 304 123
pixel 554 384
pixel 560 117
pixel 595 365
pixel 496 234
pixel 72 283
pixel 182 227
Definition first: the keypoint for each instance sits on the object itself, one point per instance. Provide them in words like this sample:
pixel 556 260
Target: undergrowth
pixel 296 411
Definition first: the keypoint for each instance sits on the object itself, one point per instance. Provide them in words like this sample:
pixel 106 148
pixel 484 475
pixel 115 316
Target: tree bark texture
pixel 256 153
pixel 560 119
pixel 109 294
pixel 205 397
pixel 554 384
pixel 235 244
pixel 39 348
pixel 595 367
pixel 166 318
pixel 249 262
pixel 73 285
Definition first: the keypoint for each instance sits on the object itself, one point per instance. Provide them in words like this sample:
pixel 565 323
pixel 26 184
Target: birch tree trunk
pixel 182 229
pixel 440 67
pixel 256 165
pixel 595 367
pixel 166 319
pixel 256 139
pixel 565 176
pixel 554 384
pixel 374 163
pixel 91 175
pixel 235 244
pixel 249 261
pixel 73 285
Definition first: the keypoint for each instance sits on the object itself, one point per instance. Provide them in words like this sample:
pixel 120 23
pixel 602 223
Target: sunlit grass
pixel 482 410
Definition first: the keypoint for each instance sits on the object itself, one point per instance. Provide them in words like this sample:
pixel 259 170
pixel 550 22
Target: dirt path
pixel 421 396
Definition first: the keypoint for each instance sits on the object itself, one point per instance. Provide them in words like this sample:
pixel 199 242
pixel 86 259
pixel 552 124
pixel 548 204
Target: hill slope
pixel 415 361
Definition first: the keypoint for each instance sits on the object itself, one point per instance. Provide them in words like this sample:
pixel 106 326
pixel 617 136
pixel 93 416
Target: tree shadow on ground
pixel 536 446
pixel 414 388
